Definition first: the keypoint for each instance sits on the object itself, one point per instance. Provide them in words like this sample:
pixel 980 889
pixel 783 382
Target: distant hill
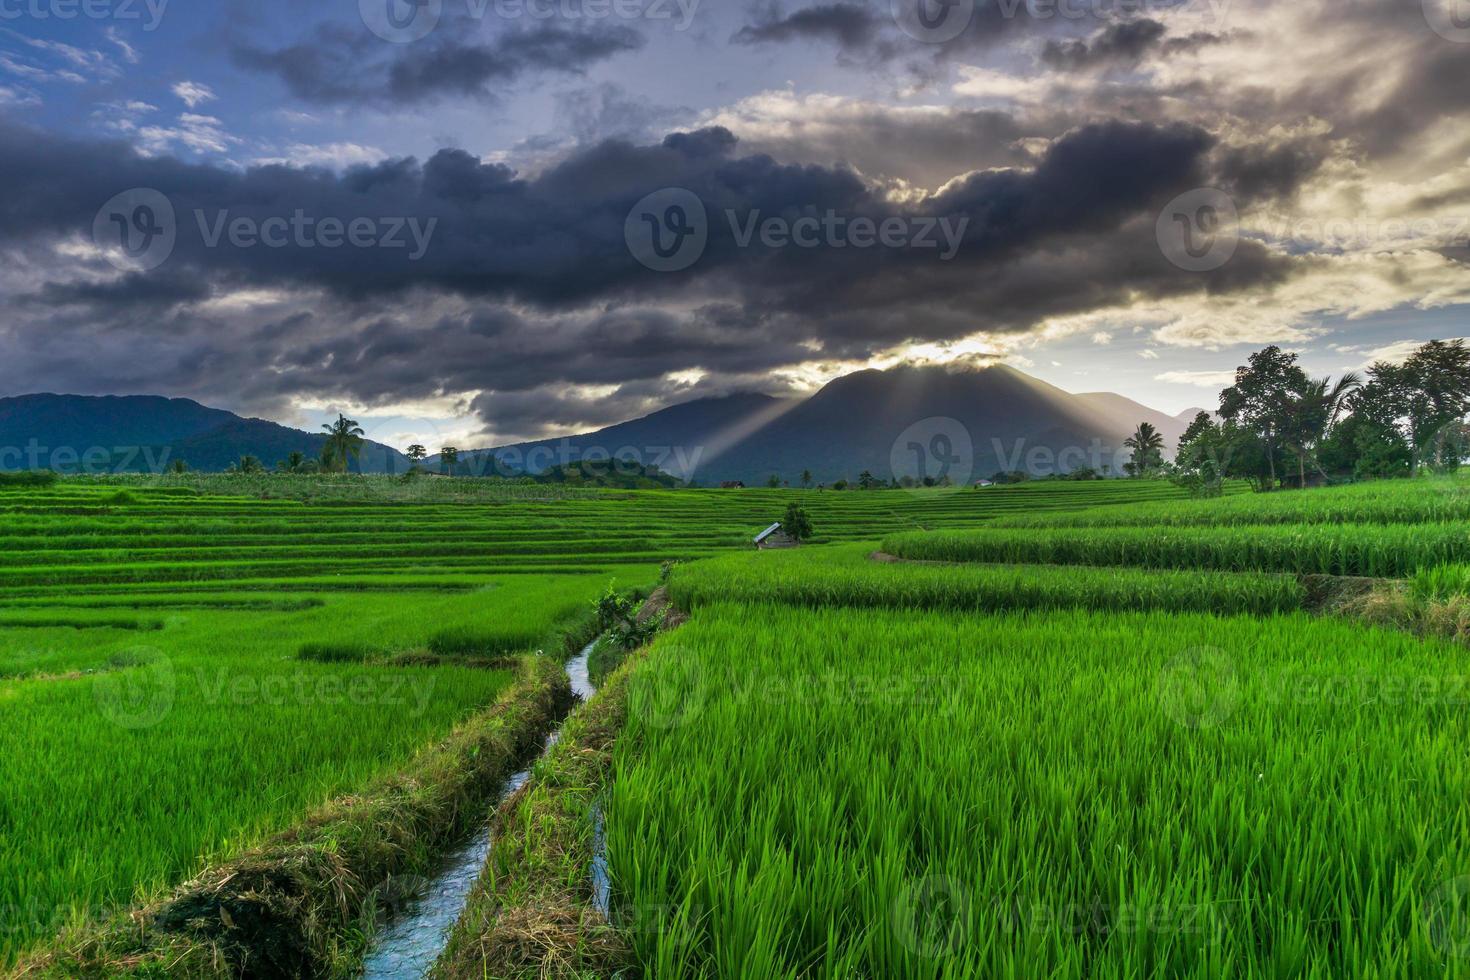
pixel 879 421
pixel 1012 420
pixel 139 433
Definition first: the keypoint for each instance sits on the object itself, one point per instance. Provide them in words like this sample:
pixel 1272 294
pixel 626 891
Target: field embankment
pixel 303 902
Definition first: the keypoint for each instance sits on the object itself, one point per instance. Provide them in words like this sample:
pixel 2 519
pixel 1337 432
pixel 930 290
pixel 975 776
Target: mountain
pixel 1125 412
pixel 141 433
pixel 903 421
pixel 678 440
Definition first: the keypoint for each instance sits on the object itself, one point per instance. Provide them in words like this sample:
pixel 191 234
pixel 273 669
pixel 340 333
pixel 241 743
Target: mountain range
pixel 143 433
pixel 904 421
pixel 869 420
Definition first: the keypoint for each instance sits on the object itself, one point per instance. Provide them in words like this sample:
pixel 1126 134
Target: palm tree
pixel 294 462
pixel 449 456
pixel 806 478
pixel 344 442
pixel 1313 414
pixel 248 464
pixel 1148 448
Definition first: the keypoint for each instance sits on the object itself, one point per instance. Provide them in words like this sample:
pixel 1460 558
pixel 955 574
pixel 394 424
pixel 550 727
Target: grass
pixel 1377 550
pixel 227 653
pixel 840 792
pixel 845 576
pixel 305 902
pixel 1094 739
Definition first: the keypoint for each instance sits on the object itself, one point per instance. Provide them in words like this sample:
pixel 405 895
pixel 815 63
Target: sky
pixel 472 222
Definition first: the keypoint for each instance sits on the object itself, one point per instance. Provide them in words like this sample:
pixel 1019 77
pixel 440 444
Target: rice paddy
pixel 225 654
pixel 1058 729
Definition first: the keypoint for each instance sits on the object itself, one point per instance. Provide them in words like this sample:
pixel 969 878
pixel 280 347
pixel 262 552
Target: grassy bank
pixel 304 902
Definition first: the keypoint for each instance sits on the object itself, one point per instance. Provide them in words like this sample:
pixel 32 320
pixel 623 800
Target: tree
pixel 806 479
pixel 795 524
pixel 449 458
pixel 178 467
pixel 1260 400
pixel 344 443
pixel 1147 445
pixel 1433 388
pixel 867 481
pixel 248 464
pixel 1310 413
pixel 295 462
pixel 417 454
pixel 773 481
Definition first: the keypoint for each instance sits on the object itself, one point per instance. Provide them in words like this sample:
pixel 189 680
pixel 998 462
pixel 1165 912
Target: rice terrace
pixel 1028 742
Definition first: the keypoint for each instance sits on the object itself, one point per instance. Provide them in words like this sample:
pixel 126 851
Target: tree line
pixel 1278 427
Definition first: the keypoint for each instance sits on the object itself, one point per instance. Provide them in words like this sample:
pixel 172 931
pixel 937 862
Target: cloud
pixel 129 53
pixel 342 66
pixel 852 26
pixel 200 133
pixel 17 97
pixel 1201 379
pixel 337 156
pixel 1123 45
pixel 193 94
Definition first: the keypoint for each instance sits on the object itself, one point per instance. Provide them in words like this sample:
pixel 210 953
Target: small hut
pixel 774 537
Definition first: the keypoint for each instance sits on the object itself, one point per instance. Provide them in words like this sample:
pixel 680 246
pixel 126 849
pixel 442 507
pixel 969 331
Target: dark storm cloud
pixel 160 288
pixel 540 286
pixel 852 26
pixel 345 65
pixel 1271 170
pixel 1122 45
pixel 558 240
pixel 870 31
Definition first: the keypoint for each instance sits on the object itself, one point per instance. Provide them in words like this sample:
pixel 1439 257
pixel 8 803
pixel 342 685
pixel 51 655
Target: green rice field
pixel 190 664
pixel 1059 729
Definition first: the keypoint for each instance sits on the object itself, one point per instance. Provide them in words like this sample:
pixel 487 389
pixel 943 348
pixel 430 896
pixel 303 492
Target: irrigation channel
pixel 412 939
